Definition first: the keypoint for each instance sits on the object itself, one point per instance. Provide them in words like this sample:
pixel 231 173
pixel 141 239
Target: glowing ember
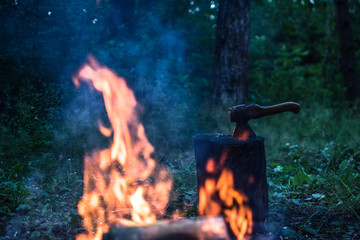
pixel 244 136
pixel 120 186
pixel 220 198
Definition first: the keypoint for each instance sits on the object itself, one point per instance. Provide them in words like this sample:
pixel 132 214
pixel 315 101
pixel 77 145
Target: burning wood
pixel 122 184
pixel 124 187
pixel 184 229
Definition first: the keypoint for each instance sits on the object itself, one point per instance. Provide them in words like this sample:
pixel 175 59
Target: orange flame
pixel 232 204
pixel 120 186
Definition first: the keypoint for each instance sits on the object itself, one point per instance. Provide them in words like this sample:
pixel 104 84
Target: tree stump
pixel 246 160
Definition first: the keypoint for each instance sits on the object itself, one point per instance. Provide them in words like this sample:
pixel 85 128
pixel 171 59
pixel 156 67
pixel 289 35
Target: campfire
pixel 125 189
pixel 122 184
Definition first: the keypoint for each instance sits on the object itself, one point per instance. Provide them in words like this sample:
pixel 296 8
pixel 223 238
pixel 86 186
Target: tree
pixel 232 51
pixel 348 64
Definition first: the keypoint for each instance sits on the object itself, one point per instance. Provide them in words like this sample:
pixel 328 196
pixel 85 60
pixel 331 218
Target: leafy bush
pixel 12 193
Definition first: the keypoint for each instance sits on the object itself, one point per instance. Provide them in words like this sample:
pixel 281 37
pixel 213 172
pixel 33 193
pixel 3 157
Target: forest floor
pixel 50 209
pixel 313 221
pixel 314 186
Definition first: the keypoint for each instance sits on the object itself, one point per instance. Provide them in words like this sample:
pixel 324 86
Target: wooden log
pixel 246 160
pixel 189 229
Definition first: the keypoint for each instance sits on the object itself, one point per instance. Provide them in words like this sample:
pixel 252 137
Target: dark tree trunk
pixel 232 51
pixel 347 49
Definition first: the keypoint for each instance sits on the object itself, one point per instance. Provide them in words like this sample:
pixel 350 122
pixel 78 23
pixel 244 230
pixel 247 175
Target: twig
pixel 310 217
pixel 355 212
pixel 347 188
pixel 317 230
pixel 356 141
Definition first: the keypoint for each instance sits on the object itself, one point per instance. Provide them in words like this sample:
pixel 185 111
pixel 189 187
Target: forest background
pixel 165 50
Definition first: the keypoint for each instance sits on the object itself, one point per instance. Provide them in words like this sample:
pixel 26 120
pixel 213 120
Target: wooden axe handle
pixel 241 114
pixel 255 111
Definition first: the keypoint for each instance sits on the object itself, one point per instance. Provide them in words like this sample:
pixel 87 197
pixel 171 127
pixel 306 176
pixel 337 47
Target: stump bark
pixel 246 160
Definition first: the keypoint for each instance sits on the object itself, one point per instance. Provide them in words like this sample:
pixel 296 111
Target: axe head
pixel 239 115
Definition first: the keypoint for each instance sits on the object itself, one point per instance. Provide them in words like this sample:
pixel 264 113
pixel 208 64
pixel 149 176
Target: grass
pixel 313 167
pixel 313 172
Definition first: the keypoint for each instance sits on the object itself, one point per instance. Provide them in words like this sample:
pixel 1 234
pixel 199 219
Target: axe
pixel 241 114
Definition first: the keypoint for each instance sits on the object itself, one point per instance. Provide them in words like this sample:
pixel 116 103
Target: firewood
pixel 180 229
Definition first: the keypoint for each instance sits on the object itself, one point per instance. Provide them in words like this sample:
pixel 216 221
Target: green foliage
pixel 28 107
pixel 49 209
pixel 312 179
pixel 184 197
pixel 316 178
pixel 294 53
pixel 289 78
pixel 12 193
pixel 333 167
